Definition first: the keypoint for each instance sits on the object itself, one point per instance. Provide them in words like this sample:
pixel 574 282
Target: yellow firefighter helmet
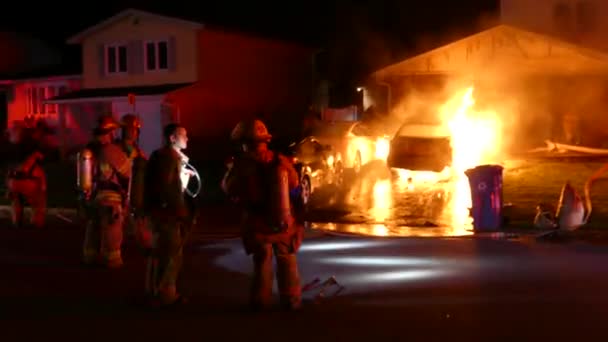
pixel 106 124
pixel 131 120
pixel 252 130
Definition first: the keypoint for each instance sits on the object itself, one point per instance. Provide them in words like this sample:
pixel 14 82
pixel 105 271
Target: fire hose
pixel 186 166
pixel 199 183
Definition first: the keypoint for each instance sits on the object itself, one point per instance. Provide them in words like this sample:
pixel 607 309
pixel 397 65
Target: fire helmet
pixel 131 120
pixel 106 124
pixel 251 130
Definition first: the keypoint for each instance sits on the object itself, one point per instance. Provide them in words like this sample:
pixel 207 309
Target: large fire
pixel 475 140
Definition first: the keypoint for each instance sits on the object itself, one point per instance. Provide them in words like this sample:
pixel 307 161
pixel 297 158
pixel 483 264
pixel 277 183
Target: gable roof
pixel 79 37
pixel 505 49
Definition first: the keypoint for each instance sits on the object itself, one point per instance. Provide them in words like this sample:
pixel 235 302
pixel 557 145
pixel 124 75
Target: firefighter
pixel 106 196
pixel 131 128
pixel 134 221
pixel 260 181
pixel 168 215
pixel 26 180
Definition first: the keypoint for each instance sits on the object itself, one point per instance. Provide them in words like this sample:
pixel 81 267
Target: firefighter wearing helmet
pixel 26 180
pixel 129 141
pixel 260 180
pixel 104 170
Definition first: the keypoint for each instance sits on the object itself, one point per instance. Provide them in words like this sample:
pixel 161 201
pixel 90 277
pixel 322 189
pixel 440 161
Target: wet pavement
pixel 385 202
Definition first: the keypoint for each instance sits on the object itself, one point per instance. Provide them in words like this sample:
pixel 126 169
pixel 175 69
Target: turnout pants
pixel 165 258
pixel 103 236
pixel 28 191
pixel 284 247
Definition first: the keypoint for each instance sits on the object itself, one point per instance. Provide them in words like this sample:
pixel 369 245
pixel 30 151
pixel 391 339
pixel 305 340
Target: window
pixel 116 59
pixel 35 97
pixel 157 55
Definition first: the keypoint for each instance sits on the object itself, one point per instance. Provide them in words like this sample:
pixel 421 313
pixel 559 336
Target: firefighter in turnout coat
pixel 135 222
pixel 260 181
pixel 169 216
pixel 26 180
pixel 106 196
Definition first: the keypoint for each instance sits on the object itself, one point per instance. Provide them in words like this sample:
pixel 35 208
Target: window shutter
pixel 101 51
pixel 172 54
pixel 135 59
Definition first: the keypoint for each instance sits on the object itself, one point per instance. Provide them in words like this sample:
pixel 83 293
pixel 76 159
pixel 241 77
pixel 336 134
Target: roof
pixel 109 93
pixel 79 37
pixel 503 48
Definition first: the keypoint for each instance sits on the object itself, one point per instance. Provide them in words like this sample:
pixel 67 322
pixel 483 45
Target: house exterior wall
pixel 241 77
pixel 134 33
pixel 580 21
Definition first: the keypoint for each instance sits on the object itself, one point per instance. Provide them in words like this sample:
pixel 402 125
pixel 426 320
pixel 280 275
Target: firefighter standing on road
pixel 26 179
pixel 111 170
pixel 134 221
pixel 169 216
pixel 260 181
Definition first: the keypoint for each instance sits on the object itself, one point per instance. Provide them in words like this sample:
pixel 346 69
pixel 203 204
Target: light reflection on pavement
pixel 374 265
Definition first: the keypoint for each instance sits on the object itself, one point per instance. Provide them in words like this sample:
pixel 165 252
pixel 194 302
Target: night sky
pixel 375 31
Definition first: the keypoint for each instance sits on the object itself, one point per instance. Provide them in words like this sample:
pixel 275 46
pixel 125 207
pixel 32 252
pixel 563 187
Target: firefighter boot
pixel 288 279
pixel 261 285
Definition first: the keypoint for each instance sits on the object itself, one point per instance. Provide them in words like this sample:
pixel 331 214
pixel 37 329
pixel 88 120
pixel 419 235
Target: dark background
pixel 358 36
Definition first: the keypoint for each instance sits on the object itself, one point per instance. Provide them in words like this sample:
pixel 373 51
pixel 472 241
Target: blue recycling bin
pixel 485 182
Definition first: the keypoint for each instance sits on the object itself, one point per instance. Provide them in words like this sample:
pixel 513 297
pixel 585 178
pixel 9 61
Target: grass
pixel 528 183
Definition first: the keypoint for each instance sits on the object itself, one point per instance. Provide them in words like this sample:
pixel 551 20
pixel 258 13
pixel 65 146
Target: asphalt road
pixel 402 289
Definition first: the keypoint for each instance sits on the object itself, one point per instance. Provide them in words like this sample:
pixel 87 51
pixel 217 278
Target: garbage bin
pixel 485 182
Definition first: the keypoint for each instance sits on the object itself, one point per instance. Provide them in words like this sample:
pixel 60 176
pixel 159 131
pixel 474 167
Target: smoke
pixel 536 98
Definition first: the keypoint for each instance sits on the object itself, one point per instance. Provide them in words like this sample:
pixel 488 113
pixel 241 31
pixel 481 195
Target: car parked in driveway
pixel 317 165
pixel 420 148
pixel 354 142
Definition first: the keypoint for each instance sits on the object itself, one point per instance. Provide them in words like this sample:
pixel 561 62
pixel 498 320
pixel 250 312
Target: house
pixel 25 62
pixel 26 95
pixel 168 69
pixel 578 21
